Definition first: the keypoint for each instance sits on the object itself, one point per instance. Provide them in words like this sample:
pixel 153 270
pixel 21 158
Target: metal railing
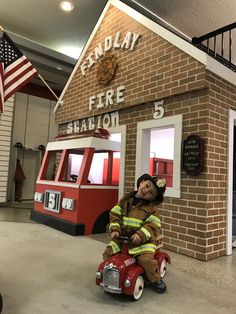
pixel 219 44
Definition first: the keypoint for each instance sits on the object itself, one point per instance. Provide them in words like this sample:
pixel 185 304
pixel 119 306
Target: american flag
pixel 15 69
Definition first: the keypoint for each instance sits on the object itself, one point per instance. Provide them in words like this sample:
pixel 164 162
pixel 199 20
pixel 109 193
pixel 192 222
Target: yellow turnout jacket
pixel 142 219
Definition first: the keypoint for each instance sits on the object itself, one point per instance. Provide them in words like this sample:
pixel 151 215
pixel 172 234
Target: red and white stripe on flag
pixel 17 75
pixel 15 69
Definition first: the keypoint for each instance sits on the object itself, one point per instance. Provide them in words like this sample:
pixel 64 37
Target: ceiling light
pixel 73 52
pixel 67 5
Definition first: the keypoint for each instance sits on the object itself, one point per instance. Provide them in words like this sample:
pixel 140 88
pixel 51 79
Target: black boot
pixel 159 287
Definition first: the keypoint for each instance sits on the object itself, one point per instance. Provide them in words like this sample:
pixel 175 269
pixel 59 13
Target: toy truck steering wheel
pixel 74 177
pixel 124 238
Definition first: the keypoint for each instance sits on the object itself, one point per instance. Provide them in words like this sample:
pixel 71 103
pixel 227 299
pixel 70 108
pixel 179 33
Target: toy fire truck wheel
pixel 163 268
pixel 138 289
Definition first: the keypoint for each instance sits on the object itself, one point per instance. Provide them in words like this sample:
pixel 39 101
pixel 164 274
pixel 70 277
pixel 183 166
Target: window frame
pixel 143 149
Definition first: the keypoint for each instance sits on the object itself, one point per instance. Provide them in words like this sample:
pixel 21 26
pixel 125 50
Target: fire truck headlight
pixel 68 203
pixel 38 197
pixel 98 275
pixel 127 283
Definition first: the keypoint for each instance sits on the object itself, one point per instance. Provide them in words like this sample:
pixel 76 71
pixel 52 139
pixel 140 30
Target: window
pixel 159 150
pixel 74 164
pixel 50 166
pixel 102 167
pixel 162 153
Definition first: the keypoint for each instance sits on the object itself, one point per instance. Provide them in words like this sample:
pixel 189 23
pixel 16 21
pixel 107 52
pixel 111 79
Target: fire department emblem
pixel 107 69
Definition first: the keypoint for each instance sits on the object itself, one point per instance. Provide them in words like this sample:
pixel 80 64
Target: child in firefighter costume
pixel 137 215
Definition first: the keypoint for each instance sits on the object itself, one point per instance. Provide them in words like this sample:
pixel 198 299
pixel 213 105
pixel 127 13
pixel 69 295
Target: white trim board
pixel 77 186
pixel 229 217
pixel 121 129
pixel 93 142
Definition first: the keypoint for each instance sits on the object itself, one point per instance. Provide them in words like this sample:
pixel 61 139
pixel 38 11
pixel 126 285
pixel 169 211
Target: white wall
pixel 33 121
pixel 34 125
pixel 5 146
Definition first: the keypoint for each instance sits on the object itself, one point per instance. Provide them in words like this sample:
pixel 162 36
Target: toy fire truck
pixel 121 273
pixel 77 185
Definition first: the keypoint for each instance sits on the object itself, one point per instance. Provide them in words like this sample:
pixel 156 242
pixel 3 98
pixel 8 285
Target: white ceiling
pixel 43 22
pixel 194 17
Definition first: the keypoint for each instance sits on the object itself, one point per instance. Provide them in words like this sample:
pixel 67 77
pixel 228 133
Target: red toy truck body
pixel 121 274
pixel 67 196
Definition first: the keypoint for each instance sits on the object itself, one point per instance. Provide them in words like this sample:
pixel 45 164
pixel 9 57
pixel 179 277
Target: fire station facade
pixel 133 77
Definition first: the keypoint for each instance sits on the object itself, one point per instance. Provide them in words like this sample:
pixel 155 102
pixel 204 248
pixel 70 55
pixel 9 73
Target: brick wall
pixel 195 224
pixel 153 70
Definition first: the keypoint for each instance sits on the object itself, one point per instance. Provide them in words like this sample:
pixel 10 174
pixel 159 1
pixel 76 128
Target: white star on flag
pixel 15 69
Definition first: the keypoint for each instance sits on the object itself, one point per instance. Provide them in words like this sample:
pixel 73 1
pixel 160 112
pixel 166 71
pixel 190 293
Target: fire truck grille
pixel 111 278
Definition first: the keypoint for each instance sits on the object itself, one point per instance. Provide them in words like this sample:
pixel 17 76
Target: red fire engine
pixel 75 188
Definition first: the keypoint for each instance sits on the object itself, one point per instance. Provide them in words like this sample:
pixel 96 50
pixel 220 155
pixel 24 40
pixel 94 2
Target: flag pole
pixel 42 79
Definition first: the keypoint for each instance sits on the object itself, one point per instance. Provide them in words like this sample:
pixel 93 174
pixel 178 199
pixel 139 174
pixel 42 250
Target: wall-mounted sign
pixel 193 155
pixel 108 120
pixel 128 42
pixel 107 66
pixel 107 98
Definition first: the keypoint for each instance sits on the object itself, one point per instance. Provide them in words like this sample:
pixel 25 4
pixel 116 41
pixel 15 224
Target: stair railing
pixel 218 44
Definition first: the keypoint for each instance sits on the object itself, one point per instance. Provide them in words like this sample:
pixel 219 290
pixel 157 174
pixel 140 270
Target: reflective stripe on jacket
pixel 142 219
pixel 144 248
pixel 114 246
